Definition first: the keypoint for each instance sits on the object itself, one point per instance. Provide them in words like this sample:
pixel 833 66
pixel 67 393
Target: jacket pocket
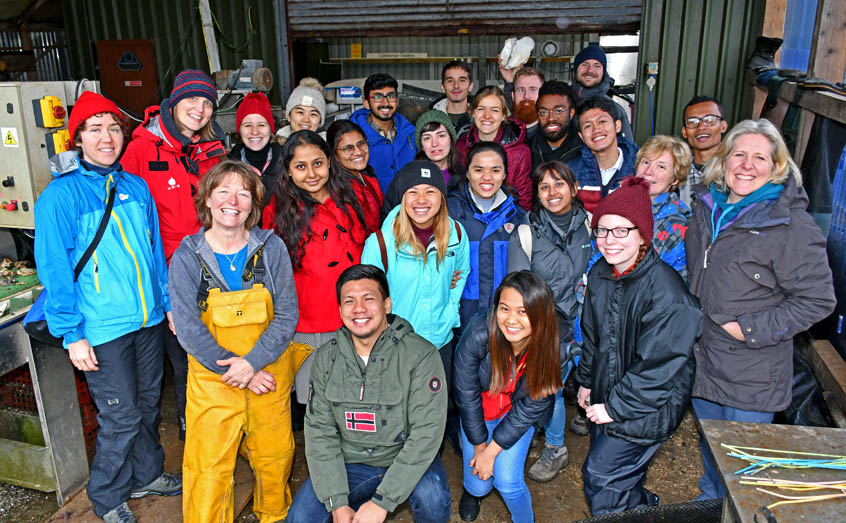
pixel 742 372
pixel 758 273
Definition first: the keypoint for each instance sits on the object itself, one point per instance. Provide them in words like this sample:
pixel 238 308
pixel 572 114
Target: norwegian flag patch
pixel 360 421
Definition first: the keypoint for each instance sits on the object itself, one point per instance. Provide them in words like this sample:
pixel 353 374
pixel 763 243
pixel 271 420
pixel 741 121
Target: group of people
pixel 421 284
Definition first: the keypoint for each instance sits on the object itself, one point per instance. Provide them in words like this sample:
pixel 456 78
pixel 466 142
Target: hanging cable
pixel 232 47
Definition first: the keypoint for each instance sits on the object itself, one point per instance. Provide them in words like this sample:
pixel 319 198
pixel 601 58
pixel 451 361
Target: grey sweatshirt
pixel 184 281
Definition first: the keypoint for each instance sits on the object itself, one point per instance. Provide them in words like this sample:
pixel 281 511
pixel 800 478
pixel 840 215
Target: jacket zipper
pixel 96 273
pixel 361 391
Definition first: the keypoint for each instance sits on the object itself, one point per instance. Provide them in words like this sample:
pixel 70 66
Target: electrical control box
pixel 32 129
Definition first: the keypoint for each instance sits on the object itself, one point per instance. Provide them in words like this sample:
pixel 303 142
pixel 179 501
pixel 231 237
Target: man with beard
pixel 703 127
pixel 592 80
pixel 456 85
pixel 521 93
pixel 556 139
pixel 389 135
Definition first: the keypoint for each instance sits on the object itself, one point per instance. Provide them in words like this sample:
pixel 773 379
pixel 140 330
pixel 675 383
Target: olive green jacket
pixel 390 414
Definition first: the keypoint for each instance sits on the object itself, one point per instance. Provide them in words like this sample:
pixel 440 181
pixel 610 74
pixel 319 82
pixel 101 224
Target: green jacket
pixel 396 420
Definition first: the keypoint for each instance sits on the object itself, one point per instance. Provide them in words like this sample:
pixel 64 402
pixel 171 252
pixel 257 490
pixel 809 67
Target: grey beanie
pixel 307 96
pixel 434 116
pixel 418 172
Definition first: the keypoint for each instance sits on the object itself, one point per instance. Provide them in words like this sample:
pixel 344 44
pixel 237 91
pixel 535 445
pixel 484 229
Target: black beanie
pixel 416 173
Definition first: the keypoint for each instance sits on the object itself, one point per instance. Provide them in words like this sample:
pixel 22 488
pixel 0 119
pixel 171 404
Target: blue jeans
pixel 711 484
pixel 554 428
pixel 507 477
pixel 430 500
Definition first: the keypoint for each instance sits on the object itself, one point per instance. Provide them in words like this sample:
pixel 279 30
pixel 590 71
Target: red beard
pixel 525 112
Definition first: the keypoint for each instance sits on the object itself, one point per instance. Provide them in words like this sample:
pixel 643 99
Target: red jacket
pixel 370 197
pixel 333 244
pixel 512 137
pixel 172 166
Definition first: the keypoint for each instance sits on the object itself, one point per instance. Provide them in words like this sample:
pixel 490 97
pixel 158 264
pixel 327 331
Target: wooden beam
pixel 828 49
pixel 829 368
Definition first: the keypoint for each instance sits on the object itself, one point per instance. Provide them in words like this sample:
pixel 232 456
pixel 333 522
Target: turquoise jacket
pixel 422 293
pixel 123 286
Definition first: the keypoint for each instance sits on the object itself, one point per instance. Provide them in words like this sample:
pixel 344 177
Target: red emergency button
pixel 58 112
pixel 12 206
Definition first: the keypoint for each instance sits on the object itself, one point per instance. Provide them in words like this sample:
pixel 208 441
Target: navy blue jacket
pixel 586 170
pixel 488 234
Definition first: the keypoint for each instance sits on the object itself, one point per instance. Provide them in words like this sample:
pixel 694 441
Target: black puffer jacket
pixel 768 270
pixel 472 377
pixel 639 331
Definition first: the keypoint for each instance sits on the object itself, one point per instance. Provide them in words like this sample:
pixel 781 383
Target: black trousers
pixel 452 422
pixel 614 472
pixel 126 391
pixel 179 362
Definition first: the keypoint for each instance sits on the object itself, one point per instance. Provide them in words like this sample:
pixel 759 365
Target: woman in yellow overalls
pixel 235 307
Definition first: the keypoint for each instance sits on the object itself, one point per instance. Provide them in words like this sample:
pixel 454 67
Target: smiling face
pixel 363 309
pixel 704 137
pixel 309 170
pixel 554 114
pixel 555 194
pixel 748 166
pixel 436 145
pixel 382 103
pixel 254 132
pixel 590 73
pixel 512 319
pixel 304 118
pixel 101 141
pixel 619 252
pixel 456 85
pixel 488 117
pixel 192 114
pixel 526 88
pixel 422 203
pixel 352 152
pixel 598 130
pixel 486 173
pixel 659 172
pixel 230 203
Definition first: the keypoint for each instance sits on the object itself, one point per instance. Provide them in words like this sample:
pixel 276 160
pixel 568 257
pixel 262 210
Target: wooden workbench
pixel 742 501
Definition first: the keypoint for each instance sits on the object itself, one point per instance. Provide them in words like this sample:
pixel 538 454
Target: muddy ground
pixel 672 476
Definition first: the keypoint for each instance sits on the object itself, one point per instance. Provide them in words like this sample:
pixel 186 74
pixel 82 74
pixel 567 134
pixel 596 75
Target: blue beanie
pixel 192 82
pixel 591 52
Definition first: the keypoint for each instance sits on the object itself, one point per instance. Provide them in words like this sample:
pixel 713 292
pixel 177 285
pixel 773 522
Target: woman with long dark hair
pixel 352 152
pixel 507 371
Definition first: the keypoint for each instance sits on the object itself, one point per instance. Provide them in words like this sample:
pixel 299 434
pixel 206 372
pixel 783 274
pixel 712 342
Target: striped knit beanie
pixel 192 82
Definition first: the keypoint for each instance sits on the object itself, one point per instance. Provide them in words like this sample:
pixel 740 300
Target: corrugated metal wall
pixel 702 48
pixel 50 54
pixel 325 18
pixel 169 23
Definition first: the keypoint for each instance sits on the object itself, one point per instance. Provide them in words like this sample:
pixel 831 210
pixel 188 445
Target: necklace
pixel 231 261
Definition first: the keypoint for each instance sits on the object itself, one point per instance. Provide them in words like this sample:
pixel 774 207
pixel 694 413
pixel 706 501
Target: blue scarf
pixel 730 211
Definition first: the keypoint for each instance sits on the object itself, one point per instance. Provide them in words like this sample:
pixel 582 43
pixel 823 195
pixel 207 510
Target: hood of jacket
pixel 511 133
pixel 69 162
pixel 793 197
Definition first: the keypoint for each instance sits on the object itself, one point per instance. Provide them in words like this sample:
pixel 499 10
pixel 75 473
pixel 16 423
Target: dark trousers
pixel 430 500
pixel 452 422
pixel 614 472
pixel 179 362
pixel 126 391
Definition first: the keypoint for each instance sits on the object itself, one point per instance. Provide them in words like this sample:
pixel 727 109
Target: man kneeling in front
pixel 375 415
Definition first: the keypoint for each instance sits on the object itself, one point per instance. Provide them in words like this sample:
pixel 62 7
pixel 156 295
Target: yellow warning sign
pixel 10 137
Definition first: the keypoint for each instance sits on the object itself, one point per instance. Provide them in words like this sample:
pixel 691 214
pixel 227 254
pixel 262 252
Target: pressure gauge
pixel 549 49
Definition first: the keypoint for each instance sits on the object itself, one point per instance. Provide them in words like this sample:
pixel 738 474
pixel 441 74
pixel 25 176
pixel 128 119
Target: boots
pixel 764 55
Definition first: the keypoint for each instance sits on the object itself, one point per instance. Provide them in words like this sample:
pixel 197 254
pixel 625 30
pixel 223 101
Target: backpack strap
pixel 525 234
pixel 383 250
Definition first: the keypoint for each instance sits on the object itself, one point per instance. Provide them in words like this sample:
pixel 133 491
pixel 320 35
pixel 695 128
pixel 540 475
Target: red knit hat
pixel 631 201
pixel 86 106
pixel 255 103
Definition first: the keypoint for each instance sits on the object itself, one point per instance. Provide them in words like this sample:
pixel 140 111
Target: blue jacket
pixel 387 157
pixel 123 286
pixel 671 216
pixel 488 234
pixel 586 170
pixel 422 293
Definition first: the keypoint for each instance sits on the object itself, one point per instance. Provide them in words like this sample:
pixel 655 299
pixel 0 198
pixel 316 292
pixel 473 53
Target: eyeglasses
pixel 378 97
pixel 558 111
pixel 617 232
pixel 347 149
pixel 708 120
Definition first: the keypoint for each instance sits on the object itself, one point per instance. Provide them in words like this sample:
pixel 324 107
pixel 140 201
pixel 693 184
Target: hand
pixel 170 322
pixel 483 462
pixel 583 397
pixel 455 277
pixel 370 513
pixel 239 374
pixel 507 74
pixel 82 355
pixel 343 514
pixel 733 328
pixel 598 414
pixel 262 383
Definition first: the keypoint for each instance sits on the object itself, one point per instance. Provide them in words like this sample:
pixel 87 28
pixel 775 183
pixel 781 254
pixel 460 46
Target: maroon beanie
pixel 255 103
pixel 632 202
pixel 86 106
